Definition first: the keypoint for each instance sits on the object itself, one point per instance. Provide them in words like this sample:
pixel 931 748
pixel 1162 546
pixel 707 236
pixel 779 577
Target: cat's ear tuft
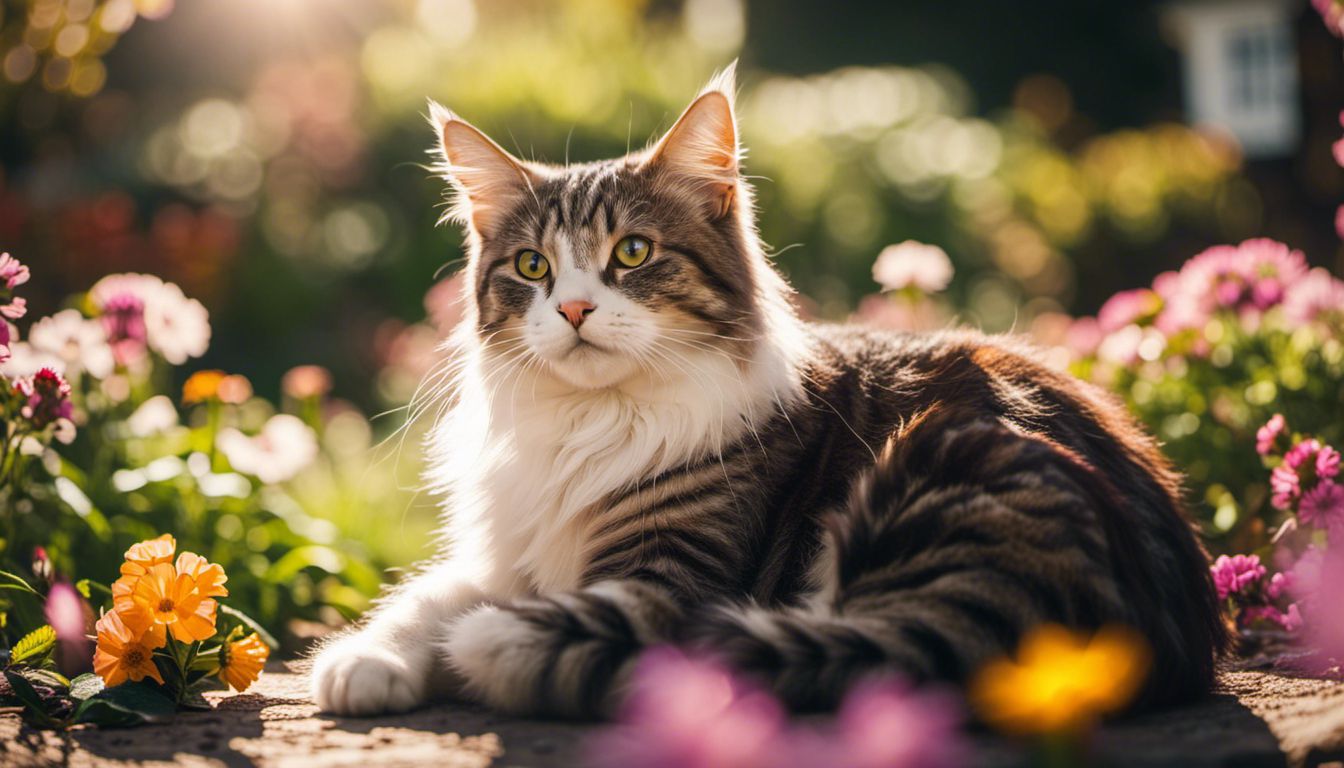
pixel 488 179
pixel 702 146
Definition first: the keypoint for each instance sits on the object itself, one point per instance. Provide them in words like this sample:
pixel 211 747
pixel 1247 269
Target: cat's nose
pixel 576 311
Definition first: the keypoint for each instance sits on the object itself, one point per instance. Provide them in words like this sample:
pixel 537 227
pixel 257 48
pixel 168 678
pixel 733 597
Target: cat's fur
pixel 812 504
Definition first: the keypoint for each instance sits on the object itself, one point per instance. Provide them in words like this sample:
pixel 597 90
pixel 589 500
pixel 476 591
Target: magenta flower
pixel 1268 435
pixel 684 713
pixel 123 321
pixel 12 274
pixel 45 398
pixel 1285 486
pixel 1323 506
pixel 1281 584
pixel 1234 574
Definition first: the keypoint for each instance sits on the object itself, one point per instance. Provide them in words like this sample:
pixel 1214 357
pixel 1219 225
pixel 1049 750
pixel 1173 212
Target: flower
pixel 913 264
pixel 1327 462
pixel 123 654
pixel 1285 486
pixel 202 386
pixel 1061 681
pixel 685 713
pixel 45 398
pixel 883 724
pixel 12 274
pixel 1323 506
pixel 144 310
pixel 64 611
pixel 1332 14
pixel 162 596
pixel 209 577
pixel 1126 307
pixel 25 360
pixel 1318 293
pixel 1268 435
pixel 1234 574
pixel 79 342
pixel 305 381
pixel 147 554
pixel 177 327
pixel 241 662
pixel 154 416
pixel 234 389
pixel 285 447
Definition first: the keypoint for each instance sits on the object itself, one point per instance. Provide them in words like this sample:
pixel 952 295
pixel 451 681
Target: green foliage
pixel 34 647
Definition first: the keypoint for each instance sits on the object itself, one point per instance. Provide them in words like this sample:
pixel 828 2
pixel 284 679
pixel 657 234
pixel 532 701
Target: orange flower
pixel 241 662
pixel 1061 681
pixel 209 576
pixel 147 553
pixel 123 654
pixel 164 596
pixel 202 386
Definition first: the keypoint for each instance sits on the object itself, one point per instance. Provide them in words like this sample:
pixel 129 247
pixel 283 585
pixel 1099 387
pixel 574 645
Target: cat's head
pixel 604 272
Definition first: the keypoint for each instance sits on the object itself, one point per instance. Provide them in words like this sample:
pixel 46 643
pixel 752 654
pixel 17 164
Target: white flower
pixel 175 326
pixel 283 449
pixel 25 360
pixel 155 415
pixel 80 342
pixel 912 263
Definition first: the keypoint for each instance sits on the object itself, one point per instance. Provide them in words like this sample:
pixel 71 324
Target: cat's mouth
pixel 584 346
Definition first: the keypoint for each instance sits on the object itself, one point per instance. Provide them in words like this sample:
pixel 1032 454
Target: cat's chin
pixel 591 367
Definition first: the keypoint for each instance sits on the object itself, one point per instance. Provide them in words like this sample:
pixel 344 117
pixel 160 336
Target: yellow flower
pixel 164 596
pixel 202 386
pixel 241 662
pixel 124 654
pixel 1061 681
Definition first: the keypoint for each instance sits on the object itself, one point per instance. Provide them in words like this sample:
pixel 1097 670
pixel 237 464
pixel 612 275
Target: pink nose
pixel 576 311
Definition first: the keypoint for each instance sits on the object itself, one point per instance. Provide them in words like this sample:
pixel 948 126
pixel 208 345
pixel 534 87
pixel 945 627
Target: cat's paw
pixel 356 677
pixel 499 656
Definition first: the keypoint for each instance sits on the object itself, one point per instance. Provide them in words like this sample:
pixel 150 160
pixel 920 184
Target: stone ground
pixel 1256 719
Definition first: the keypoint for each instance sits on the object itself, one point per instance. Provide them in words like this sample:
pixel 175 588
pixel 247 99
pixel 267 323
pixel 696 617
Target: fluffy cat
pixel 644 444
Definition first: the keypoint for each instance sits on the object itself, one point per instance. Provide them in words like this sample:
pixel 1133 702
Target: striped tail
pixel 965 534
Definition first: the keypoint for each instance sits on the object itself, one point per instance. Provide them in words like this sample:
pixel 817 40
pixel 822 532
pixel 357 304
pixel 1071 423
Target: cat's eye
pixel 632 251
pixel 532 265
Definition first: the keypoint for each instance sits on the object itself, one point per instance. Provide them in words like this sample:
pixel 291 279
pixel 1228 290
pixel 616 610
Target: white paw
pixel 498 656
pixel 355 676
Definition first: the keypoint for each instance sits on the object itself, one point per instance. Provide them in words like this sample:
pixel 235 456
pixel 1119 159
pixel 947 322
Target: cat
pixel 644 444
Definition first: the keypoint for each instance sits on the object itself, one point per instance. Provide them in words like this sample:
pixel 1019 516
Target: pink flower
pixel 1302 453
pixel 1280 585
pixel 913 264
pixel 45 398
pixel 1339 221
pixel 12 273
pixel 1291 619
pixel 1234 574
pixel 1327 462
pixel 1318 293
pixel 1332 13
pixel 65 613
pixel 1126 307
pixel 1338 149
pixel 283 449
pixel 1323 506
pixel 1285 486
pixel 1269 434
pixel 882 725
pixel 169 323
pixel 684 713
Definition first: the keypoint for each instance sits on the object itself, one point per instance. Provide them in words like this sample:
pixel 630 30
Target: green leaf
pixel 251 624
pixel 144 698
pixel 48 677
pixel 105 714
pixel 86 686
pixel 34 706
pixel 34 646
pixel 14 581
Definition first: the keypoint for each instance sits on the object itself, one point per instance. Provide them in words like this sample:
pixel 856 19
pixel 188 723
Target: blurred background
pixel 268 156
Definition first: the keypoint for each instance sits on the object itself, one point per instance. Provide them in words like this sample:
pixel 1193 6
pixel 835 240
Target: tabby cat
pixel 644 444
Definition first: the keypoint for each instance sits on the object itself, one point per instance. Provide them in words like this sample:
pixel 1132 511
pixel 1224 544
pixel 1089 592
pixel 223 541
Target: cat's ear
pixel 702 146
pixel 488 180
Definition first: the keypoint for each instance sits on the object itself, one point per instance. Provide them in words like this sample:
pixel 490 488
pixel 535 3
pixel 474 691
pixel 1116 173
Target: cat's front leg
pixel 567 654
pixel 389 664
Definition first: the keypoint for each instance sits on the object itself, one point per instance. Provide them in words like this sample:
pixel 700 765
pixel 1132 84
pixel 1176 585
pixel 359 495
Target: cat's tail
pixel 964 536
